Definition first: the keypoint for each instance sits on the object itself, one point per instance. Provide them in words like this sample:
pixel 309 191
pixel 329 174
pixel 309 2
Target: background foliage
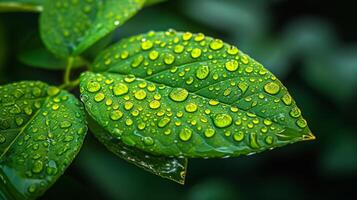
pixel 310 46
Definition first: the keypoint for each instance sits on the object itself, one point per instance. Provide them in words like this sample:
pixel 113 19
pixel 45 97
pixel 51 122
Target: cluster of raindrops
pixel 190 88
pixel 41 130
pixel 169 167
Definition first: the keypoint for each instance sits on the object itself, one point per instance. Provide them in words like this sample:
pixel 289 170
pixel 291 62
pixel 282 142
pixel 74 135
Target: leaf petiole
pixel 67 73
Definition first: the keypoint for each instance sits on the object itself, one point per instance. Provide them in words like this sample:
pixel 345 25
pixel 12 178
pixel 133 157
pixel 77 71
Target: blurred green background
pixel 310 45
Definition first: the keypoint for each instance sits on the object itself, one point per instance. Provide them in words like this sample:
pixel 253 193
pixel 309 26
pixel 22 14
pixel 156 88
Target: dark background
pixel 310 45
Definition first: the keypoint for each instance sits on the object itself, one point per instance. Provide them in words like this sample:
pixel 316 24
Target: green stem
pixel 70 85
pixel 67 73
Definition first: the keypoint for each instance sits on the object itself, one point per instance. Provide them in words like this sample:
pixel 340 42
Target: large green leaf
pixel 170 168
pixel 41 131
pixel 184 94
pixel 21 5
pixel 69 27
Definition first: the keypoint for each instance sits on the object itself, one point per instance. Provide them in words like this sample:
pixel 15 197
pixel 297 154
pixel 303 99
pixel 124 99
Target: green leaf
pixel 70 27
pixel 42 129
pixel 21 5
pixel 170 168
pixel 152 2
pixel 42 58
pixel 183 94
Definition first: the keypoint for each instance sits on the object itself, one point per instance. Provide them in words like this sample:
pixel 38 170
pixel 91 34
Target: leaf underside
pixel 170 168
pixel 188 95
pixel 70 27
pixel 41 131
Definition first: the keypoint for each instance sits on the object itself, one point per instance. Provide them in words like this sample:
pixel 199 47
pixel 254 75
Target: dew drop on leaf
pixel 178 94
pixel 272 88
pixel 185 134
pixel 222 120
pixel 120 89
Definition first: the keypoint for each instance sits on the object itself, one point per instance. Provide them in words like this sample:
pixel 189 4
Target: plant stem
pixel 67 73
pixel 70 85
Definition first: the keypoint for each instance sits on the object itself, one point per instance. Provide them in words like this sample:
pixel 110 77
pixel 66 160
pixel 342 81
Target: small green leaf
pixel 184 94
pixel 170 168
pixel 42 58
pixel 70 27
pixel 42 129
pixel 21 5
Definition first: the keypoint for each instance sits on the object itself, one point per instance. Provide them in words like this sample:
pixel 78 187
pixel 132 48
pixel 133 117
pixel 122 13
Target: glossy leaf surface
pixel 21 5
pixel 70 27
pixel 41 131
pixel 184 94
pixel 170 168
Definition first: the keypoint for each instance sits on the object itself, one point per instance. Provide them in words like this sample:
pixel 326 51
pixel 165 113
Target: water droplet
pixel 243 86
pixel 253 141
pixel 147 44
pixel 209 132
pixel 269 140
pixel 178 94
pixel 191 107
pixel 37 166
pixel 93 86
pixel 53 91
pixel 179 48
pixel 169 59
pixel 128 105
pixel 141 126
pixel 267 122
pixel 28 110
pixel 222 120
pixel 52 167
pixel 148 141
pixel 32 188
pixel 140 94
pixel 199 37
pixel 154 104
pixel 153 55
pixel 99 97
pixel 301 123
pixel 137 61
pixel 19 121
pixel 295 112
pixel 124 55
pixel 129 122
pixel 287 99
pixel 65 124
pixel 196 52
pixel 232 65
pixel 163 122
pixel 216 44
pixel 202 72
pixel 55 107
pixel 272 88
pixel 187 36
pixel 238 136
pixel 185 134
pixel 232 50
pixel 116 115
pixel 120 89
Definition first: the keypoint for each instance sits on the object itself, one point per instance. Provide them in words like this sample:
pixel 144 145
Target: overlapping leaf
pixel 183 94
pixel 170 168
pixel 41 130
pixel 70 27
pixel 21 5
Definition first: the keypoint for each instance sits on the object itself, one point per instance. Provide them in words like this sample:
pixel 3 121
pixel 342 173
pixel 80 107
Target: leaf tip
pixel 308 136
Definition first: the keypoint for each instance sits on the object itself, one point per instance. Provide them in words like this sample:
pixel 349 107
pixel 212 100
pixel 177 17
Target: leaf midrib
pixel 23 129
